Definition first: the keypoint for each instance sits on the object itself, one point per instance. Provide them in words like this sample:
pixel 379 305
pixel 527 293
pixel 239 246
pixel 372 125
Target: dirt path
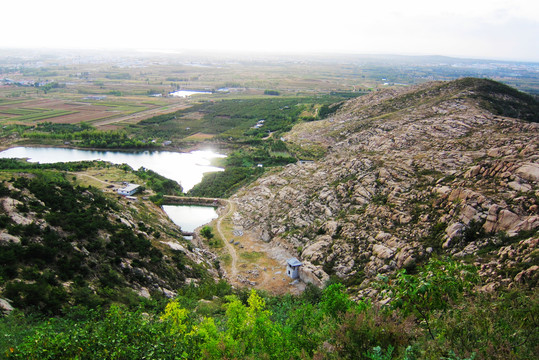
pixel 230 248
pixel 253 263
pixel 90 177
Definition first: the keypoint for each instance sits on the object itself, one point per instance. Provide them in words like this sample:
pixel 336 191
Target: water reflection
pixel 186 168
pixel 189 217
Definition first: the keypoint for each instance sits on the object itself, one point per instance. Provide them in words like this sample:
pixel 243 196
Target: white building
pixel 129 190
pixel 292 268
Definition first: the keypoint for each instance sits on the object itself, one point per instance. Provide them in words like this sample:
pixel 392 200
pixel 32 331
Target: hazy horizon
pixel 497 30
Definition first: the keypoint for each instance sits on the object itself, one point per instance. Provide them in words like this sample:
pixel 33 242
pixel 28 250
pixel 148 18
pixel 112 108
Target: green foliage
pixel 328 109
pixel 453 356
pixel 222 184
pixel 15 164
pixel 434 288
pixel 335 302
pixel 207 232
pixel 159 183
pixel 284 327
pixel 233 120
pixel 492 326
pixel 378 354
pixel 86 136
pixel 118 334
pixel 474 231
pixel 435 236
pixel 118 76
pixel 501 99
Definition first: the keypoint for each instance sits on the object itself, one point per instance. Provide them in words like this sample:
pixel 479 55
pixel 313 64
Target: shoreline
pixel 159 149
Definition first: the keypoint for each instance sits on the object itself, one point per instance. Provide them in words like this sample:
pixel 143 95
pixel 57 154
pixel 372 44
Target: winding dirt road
pixel 231 208
pixel 253 263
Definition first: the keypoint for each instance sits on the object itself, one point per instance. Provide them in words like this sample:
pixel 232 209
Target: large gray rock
pixel 5 306
pixel 454 230
pixel 382 252
pixel 7 238
pixel 507 220
pixel 529 172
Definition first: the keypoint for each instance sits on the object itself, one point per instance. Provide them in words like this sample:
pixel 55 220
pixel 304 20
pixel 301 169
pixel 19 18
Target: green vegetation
pixel 84 135
pixel 71 247
pixel 158 183
pixel 223 184
pixel 235 120
pixel 327 110
pixel 503 100
pixel 252 126
pixel 432 289
pixel 153 180
pixel 71 264
pixel 213 321
pixel 207 232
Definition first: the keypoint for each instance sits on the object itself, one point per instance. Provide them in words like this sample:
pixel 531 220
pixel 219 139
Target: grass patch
pixel 251 256
pixel 226 259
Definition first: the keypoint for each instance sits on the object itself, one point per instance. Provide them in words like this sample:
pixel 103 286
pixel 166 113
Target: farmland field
pixel 129 92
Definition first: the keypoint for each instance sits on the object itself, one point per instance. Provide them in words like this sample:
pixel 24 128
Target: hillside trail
pixel 253 263
pixel 89 176
pixel 234 256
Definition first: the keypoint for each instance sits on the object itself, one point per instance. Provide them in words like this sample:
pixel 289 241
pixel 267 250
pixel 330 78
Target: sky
pixel 487 29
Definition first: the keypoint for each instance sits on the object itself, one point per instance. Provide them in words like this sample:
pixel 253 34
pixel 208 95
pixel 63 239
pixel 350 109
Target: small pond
pixel 189 217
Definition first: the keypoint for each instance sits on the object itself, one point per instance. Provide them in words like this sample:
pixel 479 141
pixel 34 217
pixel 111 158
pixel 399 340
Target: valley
pixel 412 206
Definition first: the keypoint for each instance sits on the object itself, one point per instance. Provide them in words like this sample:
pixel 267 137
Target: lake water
pixel 186 93
pixel 186 168
pixel 189 217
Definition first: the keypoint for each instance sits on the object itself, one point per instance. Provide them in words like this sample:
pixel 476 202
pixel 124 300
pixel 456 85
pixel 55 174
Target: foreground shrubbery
pixel 214 322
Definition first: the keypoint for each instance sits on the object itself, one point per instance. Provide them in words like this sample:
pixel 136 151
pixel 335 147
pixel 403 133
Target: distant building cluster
pixel 259 124
pixel 95 97
pixel 6 81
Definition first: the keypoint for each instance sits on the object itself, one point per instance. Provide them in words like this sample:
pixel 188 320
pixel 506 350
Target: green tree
pixel 207 232
pixel 434 288
pixel 334 300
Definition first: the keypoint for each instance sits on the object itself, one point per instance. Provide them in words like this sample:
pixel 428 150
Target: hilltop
pixel 403 175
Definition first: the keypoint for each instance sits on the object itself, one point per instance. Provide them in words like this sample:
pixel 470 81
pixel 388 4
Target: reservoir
pixel 189 217
pixel 186 168
pixel 186 93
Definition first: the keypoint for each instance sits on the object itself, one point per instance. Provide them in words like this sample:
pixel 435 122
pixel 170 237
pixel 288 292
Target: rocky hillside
pixel 62 244
pixel 445 168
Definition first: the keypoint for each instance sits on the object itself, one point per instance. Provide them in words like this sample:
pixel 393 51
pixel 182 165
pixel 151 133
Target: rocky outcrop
pixel 5 306
pixel 406 174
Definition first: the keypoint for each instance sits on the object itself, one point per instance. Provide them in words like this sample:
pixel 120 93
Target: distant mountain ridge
pixel 444 168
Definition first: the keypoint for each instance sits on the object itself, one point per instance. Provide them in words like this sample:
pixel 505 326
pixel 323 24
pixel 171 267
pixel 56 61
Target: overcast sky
pixel 492 29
